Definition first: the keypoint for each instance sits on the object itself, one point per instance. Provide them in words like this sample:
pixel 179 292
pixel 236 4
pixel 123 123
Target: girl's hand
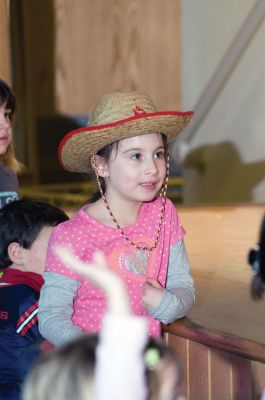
pixel 152 294
pixel 98 272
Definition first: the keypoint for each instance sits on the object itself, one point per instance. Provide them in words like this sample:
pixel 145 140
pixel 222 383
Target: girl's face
pixel 5 128
pixel 136 169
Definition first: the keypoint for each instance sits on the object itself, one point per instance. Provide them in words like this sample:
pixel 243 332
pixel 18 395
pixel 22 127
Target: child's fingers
pixel 67 257
pixel 97 270
pixel 153 282
pixel 100 259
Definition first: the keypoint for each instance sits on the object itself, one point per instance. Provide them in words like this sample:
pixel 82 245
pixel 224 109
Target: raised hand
pixel 99 272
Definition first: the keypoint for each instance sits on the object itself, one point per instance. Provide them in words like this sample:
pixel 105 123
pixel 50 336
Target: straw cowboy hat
pixel 117 116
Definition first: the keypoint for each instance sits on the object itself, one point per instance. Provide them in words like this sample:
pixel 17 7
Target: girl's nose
pixel 150 167
pixel 4 122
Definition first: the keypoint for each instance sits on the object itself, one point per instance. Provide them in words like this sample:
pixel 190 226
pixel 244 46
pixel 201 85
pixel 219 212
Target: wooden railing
pixel 222 341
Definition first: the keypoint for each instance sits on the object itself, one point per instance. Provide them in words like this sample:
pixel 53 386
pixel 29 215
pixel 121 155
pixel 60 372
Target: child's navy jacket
pixel 19 334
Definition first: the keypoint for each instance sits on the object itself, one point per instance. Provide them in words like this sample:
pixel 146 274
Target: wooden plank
pixel 180 346
pixel 198 373
pixel 218 339
pixel 116 45
pixel 33 64
pixel 220 375
pixel 258 373
pixel 242 384
pixel 228 376
pixel 4 42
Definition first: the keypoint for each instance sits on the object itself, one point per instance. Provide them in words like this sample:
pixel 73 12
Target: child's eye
pixel 7 114
pixel 136 156
pixel 160 154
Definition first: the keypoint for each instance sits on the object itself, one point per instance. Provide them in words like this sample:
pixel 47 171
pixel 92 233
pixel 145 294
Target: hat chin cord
pixel 162 211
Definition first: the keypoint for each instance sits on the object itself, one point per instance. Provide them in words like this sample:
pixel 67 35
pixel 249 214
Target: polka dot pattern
pixel 84 235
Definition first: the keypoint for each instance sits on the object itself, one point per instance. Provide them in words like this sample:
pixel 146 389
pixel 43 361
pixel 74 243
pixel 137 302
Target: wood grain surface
pixel 222 341
pixel 112 45
pixel 4 41
pixel 218 241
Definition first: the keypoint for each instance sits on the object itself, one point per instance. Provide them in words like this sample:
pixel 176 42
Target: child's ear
pixel 100 165
pixel 15 253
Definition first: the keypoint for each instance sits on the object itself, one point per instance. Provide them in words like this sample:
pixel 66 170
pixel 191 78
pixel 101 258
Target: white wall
pixel 230 163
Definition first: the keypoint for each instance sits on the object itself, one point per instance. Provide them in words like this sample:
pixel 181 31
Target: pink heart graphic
pixel 130 262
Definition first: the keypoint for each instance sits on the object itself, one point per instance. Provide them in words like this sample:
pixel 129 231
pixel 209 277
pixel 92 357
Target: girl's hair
pixel 163 371
pixel 105 153
pixel 8 99
pixel 64 374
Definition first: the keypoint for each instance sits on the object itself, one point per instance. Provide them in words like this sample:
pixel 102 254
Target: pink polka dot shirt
pixel 84 235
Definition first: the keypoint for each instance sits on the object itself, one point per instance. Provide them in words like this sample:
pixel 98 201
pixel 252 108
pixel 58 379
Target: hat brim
pixel 78 146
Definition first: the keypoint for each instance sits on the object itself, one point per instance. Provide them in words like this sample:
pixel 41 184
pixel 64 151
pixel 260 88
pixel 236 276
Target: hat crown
pixel 117 106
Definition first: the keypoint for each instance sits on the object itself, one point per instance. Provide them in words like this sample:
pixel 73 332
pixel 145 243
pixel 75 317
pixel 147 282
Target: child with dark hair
pixel 9 165
pixel 25 228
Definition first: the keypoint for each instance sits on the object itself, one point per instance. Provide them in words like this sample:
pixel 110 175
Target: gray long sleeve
pixel 179 292
pixel 56 308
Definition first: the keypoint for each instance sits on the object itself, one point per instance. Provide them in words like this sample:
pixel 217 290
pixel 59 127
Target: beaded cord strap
pixel 162 212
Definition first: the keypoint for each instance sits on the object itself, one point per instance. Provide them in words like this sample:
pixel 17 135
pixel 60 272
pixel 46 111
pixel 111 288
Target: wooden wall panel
pixel 68 53
pixel 258 373
pixel 4 41
pixel 213 374
pixel 198 372
pixel 220 375
pixel 181 346
pixel 241 378
pixel 33 66
pixel 112 45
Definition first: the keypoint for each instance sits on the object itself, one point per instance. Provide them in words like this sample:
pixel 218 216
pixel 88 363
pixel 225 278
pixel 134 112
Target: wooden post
pixel 4 42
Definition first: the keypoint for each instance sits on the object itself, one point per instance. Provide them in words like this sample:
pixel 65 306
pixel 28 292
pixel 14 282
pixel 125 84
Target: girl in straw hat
pixel 138 230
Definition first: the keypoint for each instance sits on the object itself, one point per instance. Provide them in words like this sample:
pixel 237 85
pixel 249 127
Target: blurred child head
pixel 257 262
pixel 25 228
pixel 64 374
pixel 7 111
pixel 68 372
pixel 163 371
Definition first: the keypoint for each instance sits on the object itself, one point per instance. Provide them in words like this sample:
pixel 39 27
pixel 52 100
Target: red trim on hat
pixel 112 124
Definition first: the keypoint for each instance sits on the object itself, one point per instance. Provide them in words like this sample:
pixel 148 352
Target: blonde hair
pixel 9 159
pixel 64 374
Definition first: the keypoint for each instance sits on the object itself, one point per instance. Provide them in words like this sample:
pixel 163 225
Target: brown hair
pixel 66 373
pixel 8 99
